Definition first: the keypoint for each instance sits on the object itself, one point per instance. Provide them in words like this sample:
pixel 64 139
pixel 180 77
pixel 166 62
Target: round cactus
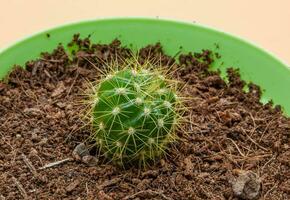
pixel 134 114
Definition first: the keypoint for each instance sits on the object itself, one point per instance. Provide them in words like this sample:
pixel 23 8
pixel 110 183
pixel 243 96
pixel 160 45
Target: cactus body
pixel 133 115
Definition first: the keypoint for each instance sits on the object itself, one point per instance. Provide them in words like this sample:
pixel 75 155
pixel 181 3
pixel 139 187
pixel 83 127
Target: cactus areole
pixel 134 115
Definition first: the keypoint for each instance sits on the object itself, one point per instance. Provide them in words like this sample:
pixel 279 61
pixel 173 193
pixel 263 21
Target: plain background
pixel 264 22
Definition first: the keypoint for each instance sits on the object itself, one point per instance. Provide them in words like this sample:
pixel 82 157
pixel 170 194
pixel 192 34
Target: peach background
pixel 264 22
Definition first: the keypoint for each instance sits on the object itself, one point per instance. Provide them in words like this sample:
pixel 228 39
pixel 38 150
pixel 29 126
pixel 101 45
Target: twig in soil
pixel 30 166
pixel 148 192
pixel 108 183
pixel 13 150
pixel 49 165
pixel 269 161
pixel 253 119
pixel 20 188
pixel 87 190
pixel 237 147
pixel 51 60
pixel 252 158
pixel 47 73
pixel 265 130
pixel 253 141
pixel 271 189
pixel 206 192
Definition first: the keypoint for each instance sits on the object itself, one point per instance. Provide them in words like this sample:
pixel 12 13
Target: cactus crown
pixel 134 114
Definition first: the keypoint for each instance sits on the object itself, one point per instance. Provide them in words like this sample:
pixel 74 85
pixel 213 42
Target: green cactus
pixel 134 114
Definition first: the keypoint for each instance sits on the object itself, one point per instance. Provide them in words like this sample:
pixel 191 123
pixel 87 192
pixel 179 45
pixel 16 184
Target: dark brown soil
pixel 230 133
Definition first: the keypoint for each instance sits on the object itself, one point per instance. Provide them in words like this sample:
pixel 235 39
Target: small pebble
pixel 247 185
pixel 34 137
pixel 60 104
pixel 80 151
pixel 90 160
pixel 43 141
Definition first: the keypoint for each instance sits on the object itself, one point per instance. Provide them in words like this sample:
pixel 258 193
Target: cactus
pixel 134 115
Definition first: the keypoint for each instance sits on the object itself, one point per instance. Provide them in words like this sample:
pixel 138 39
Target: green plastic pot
pixel 255 64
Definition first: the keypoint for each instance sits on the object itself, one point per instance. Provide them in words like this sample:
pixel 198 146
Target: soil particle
pixel 230 129
pixel 60 88
pixel 189 167
pixel 103 196
pixel 72 186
